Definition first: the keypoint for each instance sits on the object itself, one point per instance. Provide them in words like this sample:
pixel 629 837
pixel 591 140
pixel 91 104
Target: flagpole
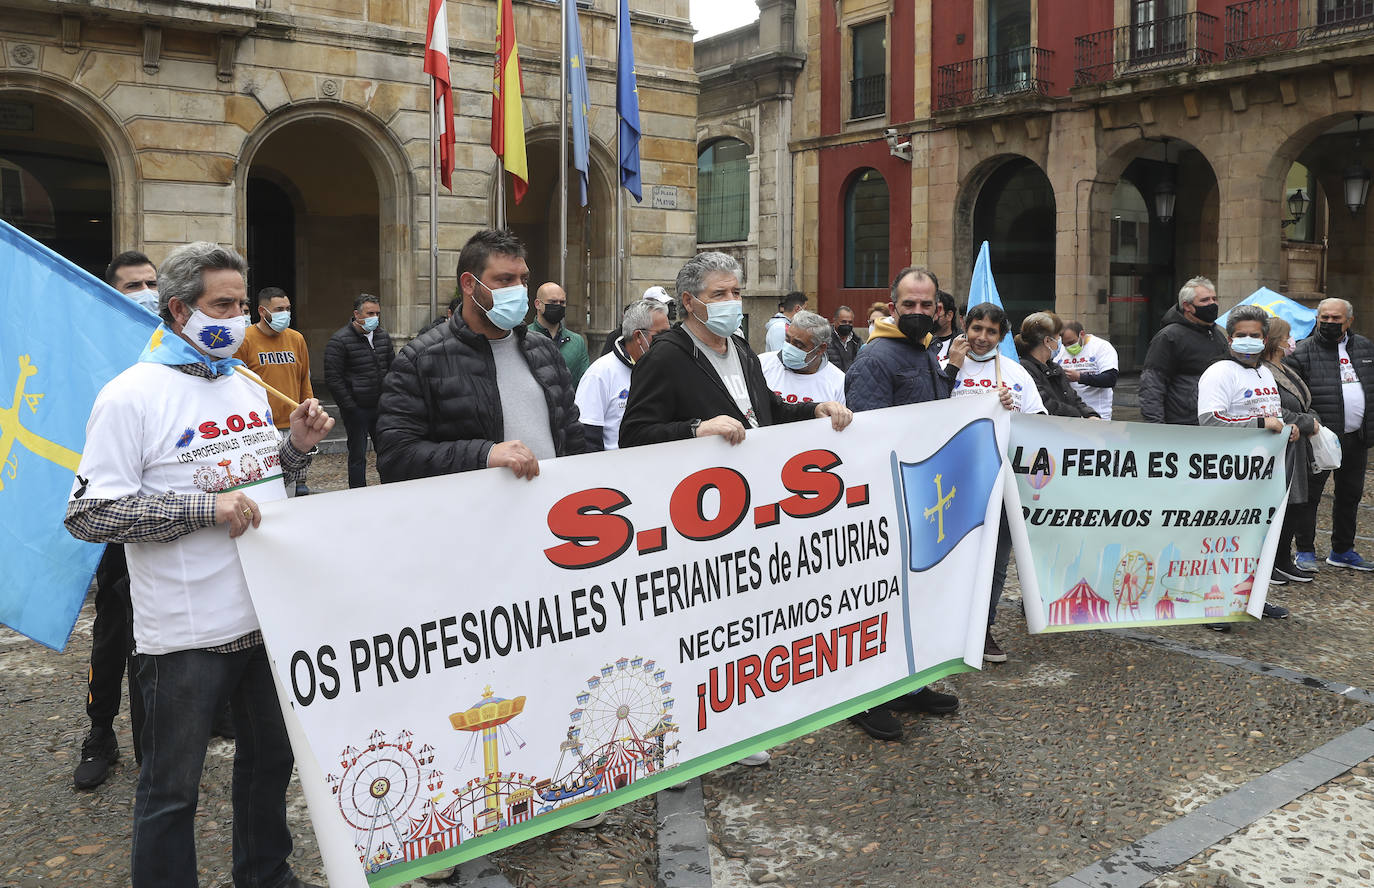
pixel 433 203
pixel 619 263
pixel 563 151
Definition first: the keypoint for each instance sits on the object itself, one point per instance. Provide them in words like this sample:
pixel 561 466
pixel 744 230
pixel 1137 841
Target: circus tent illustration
pixel 430 833
pixel 1079 605
pixel 1164 608
pixel 1215 602
pixel 1240 594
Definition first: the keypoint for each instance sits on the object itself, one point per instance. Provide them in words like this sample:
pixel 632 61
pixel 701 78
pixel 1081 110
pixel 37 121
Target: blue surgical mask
pixel 793 358
pixel 282 319
pixel 509 305
pixel 146 298
pixel 1247 345
pixel 370 324
pixel 722 318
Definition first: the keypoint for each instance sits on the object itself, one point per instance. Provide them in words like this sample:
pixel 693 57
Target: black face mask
pixel 916 326
pixel 1206 313
pixel 1330 331
pixel 554 313
pixel 845 329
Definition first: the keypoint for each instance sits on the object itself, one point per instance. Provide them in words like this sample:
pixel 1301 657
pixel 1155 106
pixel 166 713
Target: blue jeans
pixel 182 692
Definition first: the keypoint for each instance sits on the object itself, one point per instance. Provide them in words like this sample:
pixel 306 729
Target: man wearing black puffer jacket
pixel 1185 346
pixel 1338 366
pixel 478 391
pixel 355 361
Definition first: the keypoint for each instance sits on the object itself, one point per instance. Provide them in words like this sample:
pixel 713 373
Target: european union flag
pixel 577 98
pixel 1301 318
pixel 627 106
pixel 984 289
pixel 946 495
pixel 65 335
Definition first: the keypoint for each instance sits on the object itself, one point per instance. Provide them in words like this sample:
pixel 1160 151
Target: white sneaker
pixel 758 758
pixel 593 821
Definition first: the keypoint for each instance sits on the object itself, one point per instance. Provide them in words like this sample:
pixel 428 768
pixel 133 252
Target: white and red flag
pixel 436 65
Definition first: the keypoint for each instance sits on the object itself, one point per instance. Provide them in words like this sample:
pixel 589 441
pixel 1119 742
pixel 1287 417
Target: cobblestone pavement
pixel 1081 744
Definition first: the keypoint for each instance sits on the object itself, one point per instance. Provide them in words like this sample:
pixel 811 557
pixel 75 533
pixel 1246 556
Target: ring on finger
pixel 248 511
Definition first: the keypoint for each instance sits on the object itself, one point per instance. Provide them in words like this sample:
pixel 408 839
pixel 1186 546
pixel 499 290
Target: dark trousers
pixel 183 692
pixel 1347 488
pixel 999 566
pixel 112 648
pixel 359 422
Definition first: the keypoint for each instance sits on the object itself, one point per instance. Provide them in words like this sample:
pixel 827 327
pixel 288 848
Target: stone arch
pixel 120 158
pixel 970 187
pixel 717 131
pixel 390 165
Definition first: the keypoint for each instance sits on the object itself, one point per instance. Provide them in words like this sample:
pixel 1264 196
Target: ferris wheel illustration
pixel 376 791
pixel 1134 578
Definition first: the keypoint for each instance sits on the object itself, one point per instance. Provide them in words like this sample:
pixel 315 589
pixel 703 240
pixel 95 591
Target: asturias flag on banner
pixel 436 66
pixel 65 335
pixel 1301 318
pixel 984 289
pixel 577 98
pixel 507 113
pixel 627 106
pixel 946 495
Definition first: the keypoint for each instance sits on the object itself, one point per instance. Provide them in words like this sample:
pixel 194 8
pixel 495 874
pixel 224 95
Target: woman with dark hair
pixel 1295 402
pixel 1037 341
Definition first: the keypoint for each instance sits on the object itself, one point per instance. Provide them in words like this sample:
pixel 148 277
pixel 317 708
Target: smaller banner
pixel 1132 524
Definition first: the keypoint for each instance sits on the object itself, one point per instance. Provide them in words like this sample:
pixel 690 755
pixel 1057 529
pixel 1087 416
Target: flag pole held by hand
pixel 291 404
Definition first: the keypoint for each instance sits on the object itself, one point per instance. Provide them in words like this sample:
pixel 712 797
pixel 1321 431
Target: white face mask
pixel 217 337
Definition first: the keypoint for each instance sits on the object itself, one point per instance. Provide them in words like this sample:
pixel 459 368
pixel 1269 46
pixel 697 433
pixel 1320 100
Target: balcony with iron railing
pixel 1259 27
pixel 1175 41
pixel 1025 70
pixel 867 96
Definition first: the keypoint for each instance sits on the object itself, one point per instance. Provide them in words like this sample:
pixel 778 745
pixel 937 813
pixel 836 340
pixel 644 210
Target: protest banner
pixel 1131 524
pixel 471 660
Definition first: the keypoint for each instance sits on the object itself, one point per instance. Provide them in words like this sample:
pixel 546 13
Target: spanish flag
pixel 507 115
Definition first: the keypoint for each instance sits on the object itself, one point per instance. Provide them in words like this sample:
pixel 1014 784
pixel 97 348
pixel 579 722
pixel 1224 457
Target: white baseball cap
pixel 658 294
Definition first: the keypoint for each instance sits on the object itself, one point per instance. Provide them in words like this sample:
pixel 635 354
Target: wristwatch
pixel 692 428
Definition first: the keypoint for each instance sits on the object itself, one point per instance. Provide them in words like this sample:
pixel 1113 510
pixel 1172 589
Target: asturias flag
pixel 577 98
pixel 984 289
pixel 65 335
pixel 627 106
pixel 946 495
pixel 507 114
pixel 1301 318
pixel 436 66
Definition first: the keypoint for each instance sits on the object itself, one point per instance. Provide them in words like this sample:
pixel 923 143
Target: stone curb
pixel 684 858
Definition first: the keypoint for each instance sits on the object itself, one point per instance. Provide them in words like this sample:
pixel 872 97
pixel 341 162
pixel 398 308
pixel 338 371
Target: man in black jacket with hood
pixel 479 391
pixel 1338 366
pixel 1186 345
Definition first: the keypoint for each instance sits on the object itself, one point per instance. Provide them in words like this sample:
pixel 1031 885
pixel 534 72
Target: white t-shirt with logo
pixel 826 384
pixel 1352 393
pixel 1097 356
pixel 601 396
pixel 980 378
pixel 1238 395
pixel 155 429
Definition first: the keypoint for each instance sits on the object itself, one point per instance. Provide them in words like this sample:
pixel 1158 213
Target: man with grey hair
pixel 173 445
pixel 1338 366
pixel 605 387
pixel 799 372
pixel 1185 346
pixel 356 360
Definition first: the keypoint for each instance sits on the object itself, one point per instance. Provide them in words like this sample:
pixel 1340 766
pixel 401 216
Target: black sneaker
pixel 992 651
pixel 1277 578
pixel 98 752
pixel 925 700
pixel 1275 611
pixel 1291 572
pixel 878 724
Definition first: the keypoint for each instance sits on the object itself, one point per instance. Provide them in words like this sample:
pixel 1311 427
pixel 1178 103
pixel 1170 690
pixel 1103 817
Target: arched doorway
pixel 55 182
pixel 866 231
pixel 314 228
pixel 590 283
pixel 1015 214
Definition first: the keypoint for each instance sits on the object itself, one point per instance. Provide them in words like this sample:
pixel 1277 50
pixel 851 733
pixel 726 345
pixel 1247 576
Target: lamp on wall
pixel 1297 208
pixel 1356 177
pixel 1166 195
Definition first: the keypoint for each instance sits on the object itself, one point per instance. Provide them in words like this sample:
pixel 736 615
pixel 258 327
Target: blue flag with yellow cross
pixel 945 496
pixel 66 334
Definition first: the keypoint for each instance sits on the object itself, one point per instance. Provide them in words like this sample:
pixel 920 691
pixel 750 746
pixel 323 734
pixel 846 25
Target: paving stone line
pixel 684 859
pixel 1161 851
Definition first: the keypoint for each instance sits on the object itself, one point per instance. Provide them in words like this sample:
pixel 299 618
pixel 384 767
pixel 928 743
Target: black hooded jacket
pixel 674 384
pixel 1178 354
pixel 440 410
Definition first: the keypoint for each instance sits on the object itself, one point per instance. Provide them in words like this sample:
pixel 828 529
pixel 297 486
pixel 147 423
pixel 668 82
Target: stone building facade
pixel 297 131
pixel 1107 150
